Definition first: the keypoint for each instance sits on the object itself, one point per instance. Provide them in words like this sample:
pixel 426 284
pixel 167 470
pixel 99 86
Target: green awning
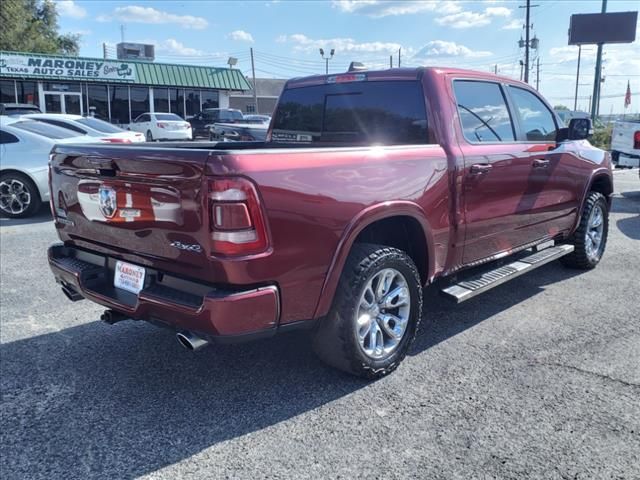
pixel 64 68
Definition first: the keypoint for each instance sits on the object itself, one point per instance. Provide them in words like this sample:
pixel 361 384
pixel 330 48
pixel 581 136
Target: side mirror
pixel 579 129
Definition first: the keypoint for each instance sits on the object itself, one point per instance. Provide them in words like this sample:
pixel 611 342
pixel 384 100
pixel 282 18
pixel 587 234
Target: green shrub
pixel 602 137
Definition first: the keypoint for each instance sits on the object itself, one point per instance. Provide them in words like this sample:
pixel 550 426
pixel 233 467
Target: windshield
pixel 168 116
pixel 45 129
pixel 387 113
pixel 99 125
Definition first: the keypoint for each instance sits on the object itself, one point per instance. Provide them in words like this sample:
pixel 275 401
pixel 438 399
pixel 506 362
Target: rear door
pixel 142 123
pixel 497 169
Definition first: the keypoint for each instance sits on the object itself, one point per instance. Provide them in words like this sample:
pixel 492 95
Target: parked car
pixel 201 122
pixel 370 186
pixel 24 157
pixel 90 126
pixel 239 132
pixel 162 126
pixel 18 108
pixel 625 143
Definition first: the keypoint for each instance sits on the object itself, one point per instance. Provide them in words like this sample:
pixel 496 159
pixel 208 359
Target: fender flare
pixel 362 220
pixel 595 175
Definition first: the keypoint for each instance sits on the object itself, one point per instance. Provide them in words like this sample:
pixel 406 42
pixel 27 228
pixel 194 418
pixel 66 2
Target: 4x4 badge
pixel 107 201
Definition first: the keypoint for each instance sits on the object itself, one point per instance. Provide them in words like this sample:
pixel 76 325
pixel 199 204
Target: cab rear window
pixel 355 113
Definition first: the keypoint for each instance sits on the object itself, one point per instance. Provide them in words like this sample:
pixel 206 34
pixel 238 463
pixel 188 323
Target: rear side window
pixel 483 112
pixel 68 125
pixel 44 129
pixel 99 125
pixel 6 137
pixel 356 113
pixel 536 119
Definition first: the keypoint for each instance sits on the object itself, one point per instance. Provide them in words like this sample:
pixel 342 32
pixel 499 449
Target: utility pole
pixel 326 59
pixel 538 73
pixel 122 29
pixel 255 86
pixel 575 98
pixel 527 41
pixel 495 69
pixel 104 51
pixel 390 61
pixel 521 66
pixel 399 56
pixel 596 81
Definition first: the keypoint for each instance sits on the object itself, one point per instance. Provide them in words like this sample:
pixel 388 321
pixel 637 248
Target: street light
pixel 326 59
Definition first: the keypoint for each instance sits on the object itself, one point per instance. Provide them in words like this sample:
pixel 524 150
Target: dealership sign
pixel 71 68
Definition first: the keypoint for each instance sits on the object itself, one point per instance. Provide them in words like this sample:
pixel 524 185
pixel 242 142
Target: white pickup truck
pixel 625 144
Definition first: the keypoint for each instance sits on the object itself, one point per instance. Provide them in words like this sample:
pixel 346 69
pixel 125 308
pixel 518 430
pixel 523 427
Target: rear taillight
pixel 237 221
pixel 116 140
pixel 162 125
pixel 636 139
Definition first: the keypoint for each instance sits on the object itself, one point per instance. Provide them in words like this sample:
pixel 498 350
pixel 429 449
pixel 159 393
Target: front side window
pixel 353 113
pixel 483 112
pixel 536 119
pixel 99 125
pixel 62 124
pixel 44 129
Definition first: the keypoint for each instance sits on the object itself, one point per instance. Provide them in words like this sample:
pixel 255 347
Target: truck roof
pixel 397 74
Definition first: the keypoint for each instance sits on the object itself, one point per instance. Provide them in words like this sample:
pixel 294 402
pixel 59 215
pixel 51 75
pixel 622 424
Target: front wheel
pixel 590 238
pixel 149 136
pixel 375 313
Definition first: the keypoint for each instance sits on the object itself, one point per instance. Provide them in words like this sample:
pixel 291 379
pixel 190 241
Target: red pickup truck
pixel 370 186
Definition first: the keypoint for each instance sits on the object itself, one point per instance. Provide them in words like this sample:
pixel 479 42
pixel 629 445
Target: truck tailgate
pixel 142 200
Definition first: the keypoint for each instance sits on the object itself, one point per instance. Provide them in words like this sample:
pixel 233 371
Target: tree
pixel 32 26
pixel 560 107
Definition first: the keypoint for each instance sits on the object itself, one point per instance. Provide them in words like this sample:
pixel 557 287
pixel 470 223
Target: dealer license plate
pixel 129 277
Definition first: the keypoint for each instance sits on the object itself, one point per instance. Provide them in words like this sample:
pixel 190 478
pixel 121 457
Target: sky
pixel 286 37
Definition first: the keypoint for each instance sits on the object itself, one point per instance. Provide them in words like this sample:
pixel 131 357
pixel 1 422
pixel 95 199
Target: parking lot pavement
pixel 539 378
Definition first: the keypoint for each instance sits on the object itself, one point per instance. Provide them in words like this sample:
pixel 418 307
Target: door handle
pixel 479 168
pixel 540 163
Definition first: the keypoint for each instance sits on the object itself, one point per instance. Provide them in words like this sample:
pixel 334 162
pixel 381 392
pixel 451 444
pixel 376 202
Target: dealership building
pixel 114 90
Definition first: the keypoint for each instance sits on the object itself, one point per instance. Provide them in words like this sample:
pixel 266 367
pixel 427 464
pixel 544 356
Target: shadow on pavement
pixel 126 400
pixel 43 215
pixel 629 202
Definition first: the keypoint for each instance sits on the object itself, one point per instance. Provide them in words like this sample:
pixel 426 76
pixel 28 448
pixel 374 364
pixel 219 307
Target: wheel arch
pixel 25 174
pixel 601 181
pixel 372 226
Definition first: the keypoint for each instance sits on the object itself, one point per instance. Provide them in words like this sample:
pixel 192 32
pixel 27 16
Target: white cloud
pixel 69 8
pixel 467 19
pixel 241 36
pixel 302 43
pixel 383 8
pixel 442 48
pixel 172 46
pixel 513 25
pixel 137 14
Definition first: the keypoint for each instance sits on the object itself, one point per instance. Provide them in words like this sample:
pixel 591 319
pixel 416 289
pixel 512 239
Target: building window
pixel 176 100
pixel 250 108
pixel 27 92
pixel 192 100
pixel 160 100
pixel 7 91
pixel 139 101
pixel 209 99
pixel 98 98
pixel 61 87
pixel 120 105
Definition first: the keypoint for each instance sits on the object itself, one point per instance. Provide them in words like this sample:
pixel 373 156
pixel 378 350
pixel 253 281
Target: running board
pixel 481 282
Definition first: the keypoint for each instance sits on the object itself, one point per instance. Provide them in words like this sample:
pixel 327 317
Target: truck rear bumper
pixel 216 313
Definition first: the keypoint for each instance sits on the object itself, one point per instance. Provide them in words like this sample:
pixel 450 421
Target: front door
pixel 53 103
pixel 73 103
pixel 496 172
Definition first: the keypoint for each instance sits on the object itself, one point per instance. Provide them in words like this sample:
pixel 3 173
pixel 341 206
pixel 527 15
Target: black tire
pixel 615 158
pixel 29 187
pixel 335 340
pixel 579 258
pixel 149 136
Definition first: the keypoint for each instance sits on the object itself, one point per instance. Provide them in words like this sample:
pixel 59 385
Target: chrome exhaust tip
pixel 71 293
pixel 190 341
pixel 111 317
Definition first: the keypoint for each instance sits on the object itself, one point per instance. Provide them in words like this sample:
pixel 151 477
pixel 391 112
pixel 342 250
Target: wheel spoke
pixel 394 326
pixel 397 297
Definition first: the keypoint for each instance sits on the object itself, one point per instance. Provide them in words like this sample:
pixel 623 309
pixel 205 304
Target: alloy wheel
pixel 15 198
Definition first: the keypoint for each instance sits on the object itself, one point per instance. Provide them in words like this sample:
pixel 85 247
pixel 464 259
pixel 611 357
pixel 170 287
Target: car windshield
pixel 355 113
pixel 99 125
pixel 45 129
pixel 168 116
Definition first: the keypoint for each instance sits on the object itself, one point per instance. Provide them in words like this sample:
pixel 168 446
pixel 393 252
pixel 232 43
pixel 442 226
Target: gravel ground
pixel 539 378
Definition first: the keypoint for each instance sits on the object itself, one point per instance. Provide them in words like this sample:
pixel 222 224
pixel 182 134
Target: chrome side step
pixel 481 282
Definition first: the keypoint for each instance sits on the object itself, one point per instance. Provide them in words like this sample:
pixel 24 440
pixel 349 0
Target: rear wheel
pixel 149 136
pixel 19 196
pixel 590 238
pixel 375 314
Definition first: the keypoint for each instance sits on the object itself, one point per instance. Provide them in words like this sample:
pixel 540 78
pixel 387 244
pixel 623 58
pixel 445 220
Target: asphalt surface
pixel 539 378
